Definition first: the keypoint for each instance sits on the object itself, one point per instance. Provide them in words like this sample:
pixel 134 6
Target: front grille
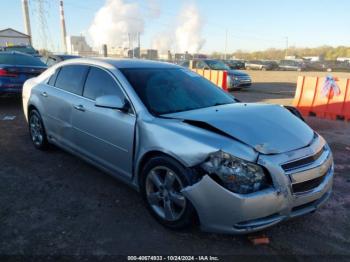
pixel 302 162
pixel 308 185
pixel 243 78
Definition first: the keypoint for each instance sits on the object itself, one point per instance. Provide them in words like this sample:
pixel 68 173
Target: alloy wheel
pixel 36 130
pixel 163 191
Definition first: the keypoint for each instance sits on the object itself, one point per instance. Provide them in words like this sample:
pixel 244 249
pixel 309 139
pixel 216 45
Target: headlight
pixel 237 175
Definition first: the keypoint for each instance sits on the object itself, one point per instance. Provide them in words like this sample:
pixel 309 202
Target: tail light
pixel 5 73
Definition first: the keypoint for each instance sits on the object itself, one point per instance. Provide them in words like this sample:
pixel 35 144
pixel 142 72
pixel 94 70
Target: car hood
pixel 269 129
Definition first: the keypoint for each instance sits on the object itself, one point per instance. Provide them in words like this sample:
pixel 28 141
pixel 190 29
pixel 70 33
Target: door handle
pixel 80 108
pixel 44 94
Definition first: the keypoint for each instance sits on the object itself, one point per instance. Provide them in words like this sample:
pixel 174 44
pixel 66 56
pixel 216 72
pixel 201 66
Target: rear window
pixel 71 77
pixel 18 59
pixel 23 49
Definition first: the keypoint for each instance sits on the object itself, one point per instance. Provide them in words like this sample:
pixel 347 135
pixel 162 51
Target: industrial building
pixel 11 37
pixel 77 45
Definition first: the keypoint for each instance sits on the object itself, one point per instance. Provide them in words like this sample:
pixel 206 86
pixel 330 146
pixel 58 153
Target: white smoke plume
pixel 164 42
pixel 118 19
pixel 188 32
pixel 185 36
pixel 114 22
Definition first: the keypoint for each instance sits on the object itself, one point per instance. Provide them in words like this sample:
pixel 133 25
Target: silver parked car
pixel 236 79
pixel 190 148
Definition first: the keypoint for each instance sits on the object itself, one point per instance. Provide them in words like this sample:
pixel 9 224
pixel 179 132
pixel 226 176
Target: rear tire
pixel 37 130
pixel 162 180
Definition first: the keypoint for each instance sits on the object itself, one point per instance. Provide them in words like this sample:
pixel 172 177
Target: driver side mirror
pixel 112 102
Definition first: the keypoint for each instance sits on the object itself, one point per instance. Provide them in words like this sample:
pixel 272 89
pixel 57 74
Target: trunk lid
pixel 19 74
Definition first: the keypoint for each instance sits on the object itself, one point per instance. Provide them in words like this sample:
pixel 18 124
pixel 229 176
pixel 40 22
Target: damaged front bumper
pixel 223 211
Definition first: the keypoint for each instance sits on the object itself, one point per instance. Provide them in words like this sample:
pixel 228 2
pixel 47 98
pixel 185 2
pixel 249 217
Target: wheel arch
pixel 149 155
pixel 156 153
pixel 32 107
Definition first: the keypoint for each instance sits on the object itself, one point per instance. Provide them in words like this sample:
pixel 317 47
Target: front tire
pixel 162 181
pixel 37 130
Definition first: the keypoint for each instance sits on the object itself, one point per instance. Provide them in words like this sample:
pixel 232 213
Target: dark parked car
pixel 27 49
pixel 234 64
pixel 54 59
pixel 292 65
pixel 332 66
pixel 15 69
pixel 261 65
pixel 316 66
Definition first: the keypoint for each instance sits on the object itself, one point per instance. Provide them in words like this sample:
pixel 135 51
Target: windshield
pixel 217 65
pixel 170 90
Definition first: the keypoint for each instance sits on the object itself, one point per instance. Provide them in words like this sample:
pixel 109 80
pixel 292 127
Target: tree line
pixel 327 52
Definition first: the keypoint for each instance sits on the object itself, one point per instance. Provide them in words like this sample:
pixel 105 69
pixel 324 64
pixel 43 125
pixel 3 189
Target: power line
pixel 40 12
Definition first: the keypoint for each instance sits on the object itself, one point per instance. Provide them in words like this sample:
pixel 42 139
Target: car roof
pixel 137 63
pixel 63 55
pixel 124 63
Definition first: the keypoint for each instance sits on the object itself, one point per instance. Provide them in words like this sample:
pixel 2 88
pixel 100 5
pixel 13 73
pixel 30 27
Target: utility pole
pixel 287 45
pixel 139 44
pixel 26 19
pixel 226 45
pixel 130 47
pixel 63 27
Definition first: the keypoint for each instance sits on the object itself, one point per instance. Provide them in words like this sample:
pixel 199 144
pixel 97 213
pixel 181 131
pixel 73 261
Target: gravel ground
pixel 52 203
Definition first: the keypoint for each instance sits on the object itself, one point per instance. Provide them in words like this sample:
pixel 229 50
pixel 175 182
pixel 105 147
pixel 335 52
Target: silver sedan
pixel 191 149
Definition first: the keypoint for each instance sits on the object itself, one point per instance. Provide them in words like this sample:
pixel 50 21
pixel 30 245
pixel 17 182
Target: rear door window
pixel 53 78
pixel 71 78
pixel 100 83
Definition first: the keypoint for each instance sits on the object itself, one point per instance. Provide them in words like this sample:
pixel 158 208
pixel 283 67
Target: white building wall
pixel 10 37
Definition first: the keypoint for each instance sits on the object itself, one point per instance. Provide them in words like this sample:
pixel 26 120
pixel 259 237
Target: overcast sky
pixel 251 24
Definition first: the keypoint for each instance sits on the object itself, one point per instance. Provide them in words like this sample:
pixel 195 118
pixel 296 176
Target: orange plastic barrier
pixel 311 102
pixel 217 77
pixel 346 109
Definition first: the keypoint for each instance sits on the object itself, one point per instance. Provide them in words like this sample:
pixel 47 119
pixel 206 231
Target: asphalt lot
pixel 52 203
